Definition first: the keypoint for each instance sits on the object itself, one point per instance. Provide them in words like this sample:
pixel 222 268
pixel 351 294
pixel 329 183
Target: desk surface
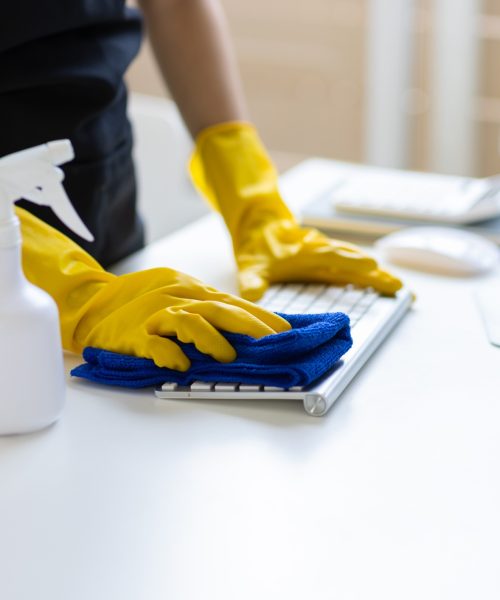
pixel 394 494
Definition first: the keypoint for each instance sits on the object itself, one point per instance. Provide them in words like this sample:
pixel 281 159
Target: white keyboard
pixel 372 318
pixel 314 299
pixel 420 196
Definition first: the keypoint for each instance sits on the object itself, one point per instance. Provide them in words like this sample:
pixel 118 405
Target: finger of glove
pixel 264 322
pixel 310 269
pixel 254 320
pixel 166 353
pixel 311 242
pixel 254 279
pixel 382 281
pixel 192 328
pixel 252 285
pixel 240 316
pixel 274 323
pixel 339 256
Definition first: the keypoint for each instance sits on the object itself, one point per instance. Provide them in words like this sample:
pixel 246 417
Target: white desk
pixel 395 494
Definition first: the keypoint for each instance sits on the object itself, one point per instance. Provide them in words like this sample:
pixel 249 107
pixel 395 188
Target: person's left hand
pixel 232 170
pixel 279 250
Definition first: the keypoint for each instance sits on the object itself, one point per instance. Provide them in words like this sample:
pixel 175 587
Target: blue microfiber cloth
pixel 293 358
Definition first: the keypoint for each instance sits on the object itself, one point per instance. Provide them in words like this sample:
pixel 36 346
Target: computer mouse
pixel 445 250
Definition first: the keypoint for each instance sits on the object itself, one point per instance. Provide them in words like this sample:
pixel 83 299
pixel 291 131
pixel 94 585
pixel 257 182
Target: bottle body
pixel 32 387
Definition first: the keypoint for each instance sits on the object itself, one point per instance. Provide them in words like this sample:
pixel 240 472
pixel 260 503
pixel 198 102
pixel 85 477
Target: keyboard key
pixel 202 386
pixel 224 386
pixel 169 386
pixel 248 387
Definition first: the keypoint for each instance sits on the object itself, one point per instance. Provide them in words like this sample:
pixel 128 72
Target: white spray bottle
pixel 32 386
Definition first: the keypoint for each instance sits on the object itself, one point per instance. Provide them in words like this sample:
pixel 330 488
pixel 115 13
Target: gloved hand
pixel 232 170
pixel 132 313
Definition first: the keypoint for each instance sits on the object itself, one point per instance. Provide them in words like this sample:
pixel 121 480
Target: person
pixel 62 77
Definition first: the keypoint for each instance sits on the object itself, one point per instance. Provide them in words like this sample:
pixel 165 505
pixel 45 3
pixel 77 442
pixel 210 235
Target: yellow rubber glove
pixel 231 168
pixel 132 313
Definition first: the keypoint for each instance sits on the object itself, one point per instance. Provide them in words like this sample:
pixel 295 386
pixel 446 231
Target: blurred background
pixel 411 84
pixel 400 83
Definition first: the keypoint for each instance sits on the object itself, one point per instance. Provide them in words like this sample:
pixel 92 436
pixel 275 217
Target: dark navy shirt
pixel 61 76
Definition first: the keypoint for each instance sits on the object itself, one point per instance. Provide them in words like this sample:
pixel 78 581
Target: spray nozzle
pixel 33 174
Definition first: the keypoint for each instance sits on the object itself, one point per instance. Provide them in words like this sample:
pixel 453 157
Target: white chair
pixel 161 150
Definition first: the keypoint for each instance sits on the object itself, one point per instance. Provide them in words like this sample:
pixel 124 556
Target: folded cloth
pixel 296 357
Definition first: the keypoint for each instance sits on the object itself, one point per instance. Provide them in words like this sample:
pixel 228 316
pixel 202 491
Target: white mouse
pixel 445 250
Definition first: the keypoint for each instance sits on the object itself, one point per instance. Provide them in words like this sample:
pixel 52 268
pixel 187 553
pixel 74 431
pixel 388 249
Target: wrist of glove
pixel 135 313
pixel 231 168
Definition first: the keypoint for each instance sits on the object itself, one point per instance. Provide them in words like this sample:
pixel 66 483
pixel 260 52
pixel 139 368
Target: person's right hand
pixel 133 313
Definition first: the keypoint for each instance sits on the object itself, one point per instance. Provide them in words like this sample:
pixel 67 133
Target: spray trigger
pixel 33 174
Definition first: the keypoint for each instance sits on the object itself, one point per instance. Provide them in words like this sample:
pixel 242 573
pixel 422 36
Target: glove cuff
pixel 54 263
pixel 222 128
pixel 232 170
